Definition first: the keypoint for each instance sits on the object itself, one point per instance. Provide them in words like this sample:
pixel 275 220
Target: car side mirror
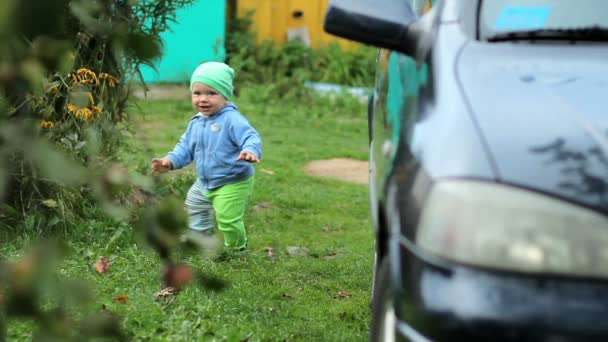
pixel 382 23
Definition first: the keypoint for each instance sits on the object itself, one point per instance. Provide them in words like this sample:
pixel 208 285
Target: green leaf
pixel 143 46
pixel 7 9
pixel 3 177
pixel 8 210
pixel 50 203
pixel 53 222
pixel 54 165
pixel 113 241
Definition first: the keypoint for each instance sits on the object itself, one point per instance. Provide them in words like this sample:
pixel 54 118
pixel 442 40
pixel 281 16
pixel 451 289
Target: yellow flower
pixel 80 112
pixel 86 76
pixel 84 113
pixel 112 81
pixel 95 109
pixel 47 124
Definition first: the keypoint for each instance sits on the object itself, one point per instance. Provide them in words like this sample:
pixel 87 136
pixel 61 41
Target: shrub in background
pixel 287 66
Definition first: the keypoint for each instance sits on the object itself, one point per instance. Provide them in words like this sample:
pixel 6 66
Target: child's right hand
pixel 161 165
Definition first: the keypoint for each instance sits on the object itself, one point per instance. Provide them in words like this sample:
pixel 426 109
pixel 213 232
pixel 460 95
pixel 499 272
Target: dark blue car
pixel 488 167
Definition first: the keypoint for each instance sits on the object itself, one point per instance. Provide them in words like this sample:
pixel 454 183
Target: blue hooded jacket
pixel 213 143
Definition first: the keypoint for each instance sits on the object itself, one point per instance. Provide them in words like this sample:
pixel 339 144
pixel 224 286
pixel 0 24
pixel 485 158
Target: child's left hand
pixel 248 156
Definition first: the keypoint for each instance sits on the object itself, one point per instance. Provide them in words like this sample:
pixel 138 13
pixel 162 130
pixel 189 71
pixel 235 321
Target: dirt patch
pixel 344 169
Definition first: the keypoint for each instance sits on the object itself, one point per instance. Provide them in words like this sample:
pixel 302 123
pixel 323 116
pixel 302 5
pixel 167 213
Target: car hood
pixel 542 111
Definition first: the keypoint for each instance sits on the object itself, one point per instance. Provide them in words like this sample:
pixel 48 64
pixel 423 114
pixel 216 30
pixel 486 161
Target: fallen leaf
pixel 285 295
pixel 297 251
pixel 342 315
pixel 102 265
pixel 177 276
pixel 120 299
pixel 268 172
pixel 166 292
pixel 326 229
pixel 269 251
pixel 342 294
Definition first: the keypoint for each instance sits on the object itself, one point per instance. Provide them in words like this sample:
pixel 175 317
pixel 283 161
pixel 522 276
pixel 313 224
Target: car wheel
pixel 383 308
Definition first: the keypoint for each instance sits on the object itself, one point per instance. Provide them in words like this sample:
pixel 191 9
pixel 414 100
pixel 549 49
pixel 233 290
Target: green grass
pixel 278 298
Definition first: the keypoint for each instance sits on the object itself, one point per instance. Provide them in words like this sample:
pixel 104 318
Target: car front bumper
pixel 457 303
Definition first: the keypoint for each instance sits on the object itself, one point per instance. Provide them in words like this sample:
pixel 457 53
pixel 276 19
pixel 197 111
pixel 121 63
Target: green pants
pixel 229 203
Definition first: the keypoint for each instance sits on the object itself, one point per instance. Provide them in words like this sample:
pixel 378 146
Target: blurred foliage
pixel 66 68
pixel 65 79
pixel 287 66
pixel 30 289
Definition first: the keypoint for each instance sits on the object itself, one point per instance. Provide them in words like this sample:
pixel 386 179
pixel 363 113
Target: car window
pixel 500 16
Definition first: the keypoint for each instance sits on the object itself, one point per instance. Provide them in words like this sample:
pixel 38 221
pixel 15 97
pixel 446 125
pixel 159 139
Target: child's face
pixel 206 99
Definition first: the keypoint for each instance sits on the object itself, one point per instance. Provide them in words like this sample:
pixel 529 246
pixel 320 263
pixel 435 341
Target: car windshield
pixel 499 18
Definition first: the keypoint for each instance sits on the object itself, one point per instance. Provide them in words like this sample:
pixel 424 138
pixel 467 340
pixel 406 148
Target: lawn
pixel 322 295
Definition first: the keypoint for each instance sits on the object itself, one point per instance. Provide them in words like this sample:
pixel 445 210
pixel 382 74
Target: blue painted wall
pixel 196 37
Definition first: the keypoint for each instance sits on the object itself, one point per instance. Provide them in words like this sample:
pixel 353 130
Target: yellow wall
pixel 273 18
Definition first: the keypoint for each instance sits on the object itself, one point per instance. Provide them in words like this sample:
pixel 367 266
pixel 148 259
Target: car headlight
pixel 508 228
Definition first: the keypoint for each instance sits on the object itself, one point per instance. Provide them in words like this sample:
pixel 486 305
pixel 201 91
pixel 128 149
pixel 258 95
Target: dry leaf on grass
pixel 342 294
pixel 102 265
pixel 268 172
pixel 326 229
pixel 121 299
pixel 341 315
pixel 166 296
pixel 166 292
pixel 269 251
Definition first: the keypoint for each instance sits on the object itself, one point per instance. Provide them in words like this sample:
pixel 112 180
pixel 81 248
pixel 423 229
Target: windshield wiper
pixel 593 33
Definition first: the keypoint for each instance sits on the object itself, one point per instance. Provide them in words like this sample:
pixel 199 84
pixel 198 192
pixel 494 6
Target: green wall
pixel 196 37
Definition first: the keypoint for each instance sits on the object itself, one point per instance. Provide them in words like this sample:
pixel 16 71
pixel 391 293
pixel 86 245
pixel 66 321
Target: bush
pixel 64 90
pixel 287 66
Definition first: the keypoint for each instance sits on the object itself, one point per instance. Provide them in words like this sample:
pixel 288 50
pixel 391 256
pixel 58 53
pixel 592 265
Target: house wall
pixel 277 19
pixel 197 36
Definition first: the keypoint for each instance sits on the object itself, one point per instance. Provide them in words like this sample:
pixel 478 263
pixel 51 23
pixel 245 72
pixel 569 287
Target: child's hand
pixel 248 156
pixel 161 165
